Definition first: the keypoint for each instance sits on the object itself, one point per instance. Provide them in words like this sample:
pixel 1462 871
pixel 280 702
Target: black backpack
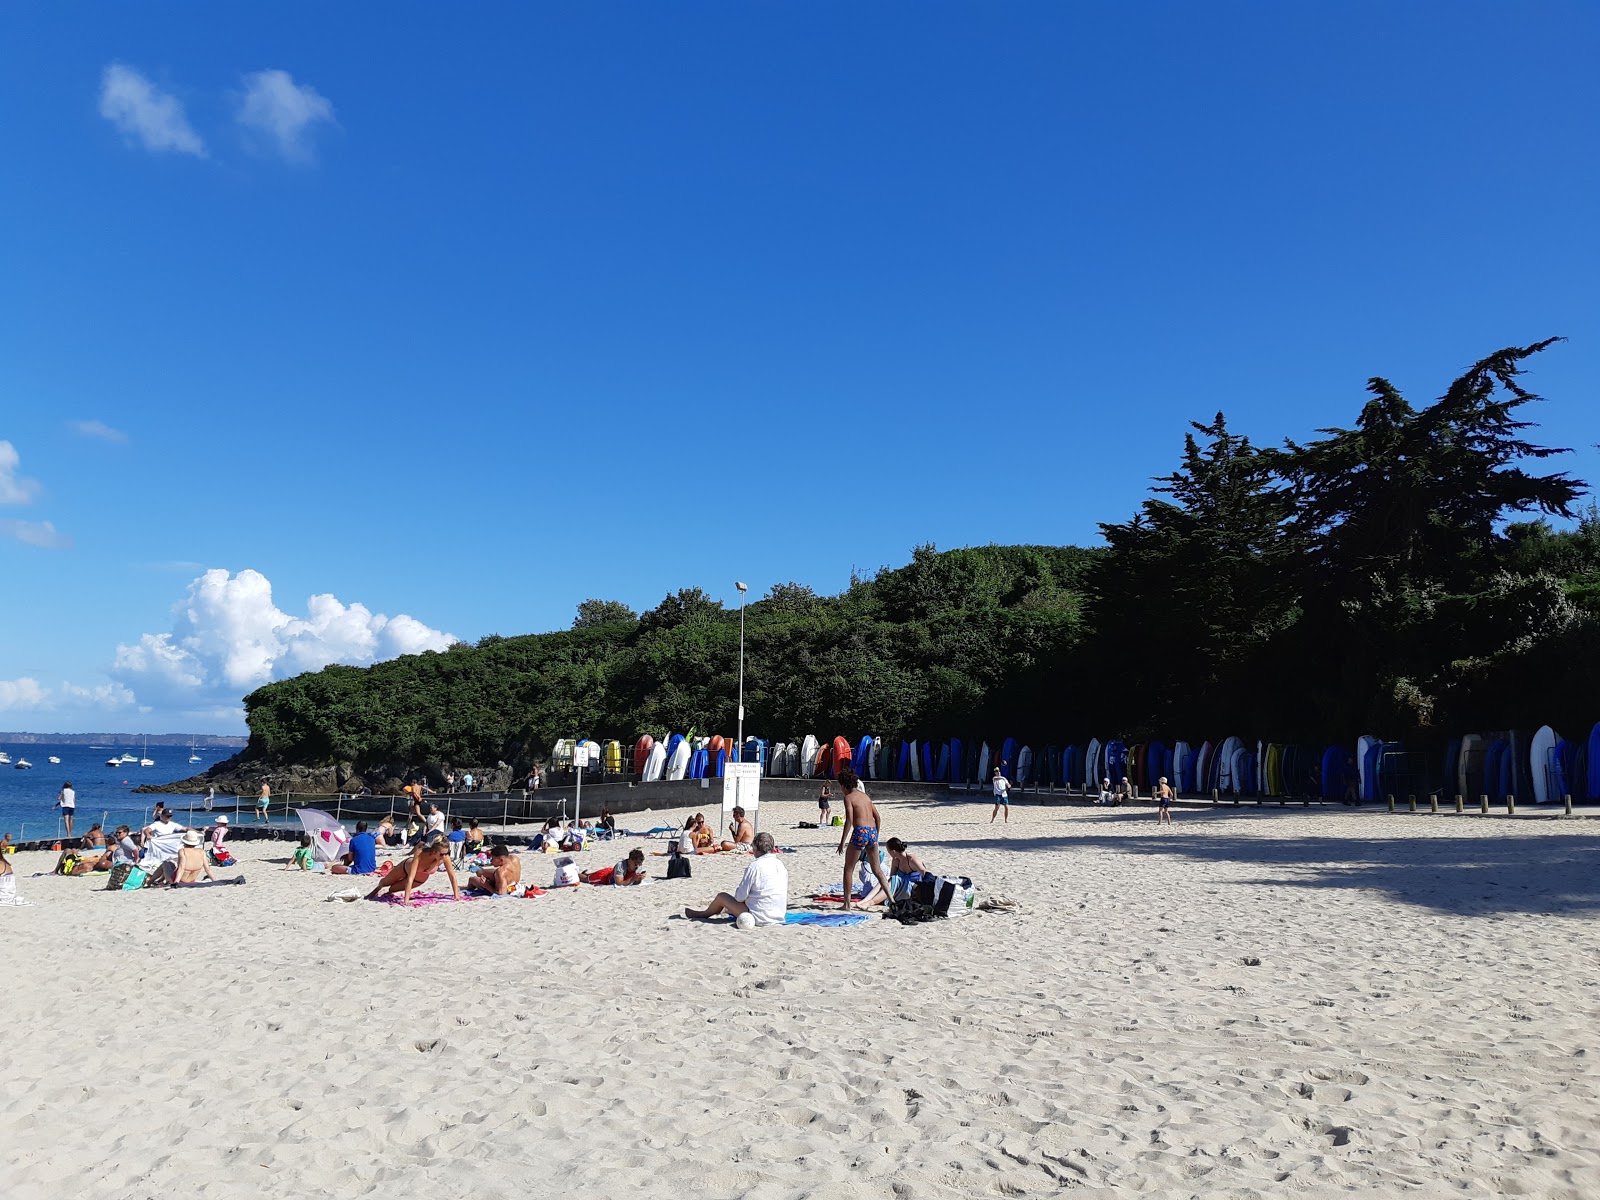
pixel 678 867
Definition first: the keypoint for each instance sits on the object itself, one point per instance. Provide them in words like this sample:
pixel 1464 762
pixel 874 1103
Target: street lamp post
pixel 739 736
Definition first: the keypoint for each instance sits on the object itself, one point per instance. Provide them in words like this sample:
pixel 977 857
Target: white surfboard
pixel 916 762
pixel 655 762
pixel 1226 780
pixel 1539 763
pixel 679 762
pixel 1364 743
pixel 808 757
pixel 983 763
pixel 1180 760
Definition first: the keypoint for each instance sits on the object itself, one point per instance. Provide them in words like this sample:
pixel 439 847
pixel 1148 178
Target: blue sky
pixel 475 311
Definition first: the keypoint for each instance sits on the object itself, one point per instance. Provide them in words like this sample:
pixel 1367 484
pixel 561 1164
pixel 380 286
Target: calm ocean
pixel 27 797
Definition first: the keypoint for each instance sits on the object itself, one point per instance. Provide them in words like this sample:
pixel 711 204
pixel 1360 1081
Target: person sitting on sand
pixel 125 851
pixel 627 873
pixel 8 882
pixel 191 862
pixel 763 892
pixel 435 819
pixel 862 825
pixel 428 858
pixel 161 842
pixel 502 874
pixel 1123 790
pixel 548 839
pixel 705 840
pixel 743 832
pixel 384 833
pixel 475 838
pixel 83 862
pixel 361 857
pixel 608 822
pixel 95 837
pixel 303 859
pixel 904 867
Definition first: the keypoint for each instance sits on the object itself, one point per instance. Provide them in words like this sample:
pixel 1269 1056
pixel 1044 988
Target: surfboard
pixel 1025 766
pixel 791 760
pixel 1561 758
pixel 843 755
pixel 678 752
pixel 1469 767
pixel 1540 764
pixel 1367 767
pixel 697 765
pixel 1593 773
pixel 1452 760
pixel 808 756
pixel 1091 765
pixel 914 753
pixel 1008 757
pixel 1520 778
pixel 983 763
pixel 927 761
pixel 1495 779
pixel 1155 763
pixel 941 765
pixel 861 759
pixel 718 763
pixel 655 762
pixel 958 761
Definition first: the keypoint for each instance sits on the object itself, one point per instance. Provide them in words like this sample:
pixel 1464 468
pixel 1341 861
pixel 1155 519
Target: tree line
pixel 1400 576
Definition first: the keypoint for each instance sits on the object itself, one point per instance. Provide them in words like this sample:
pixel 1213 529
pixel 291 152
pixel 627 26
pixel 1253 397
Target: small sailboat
pixel 54 761
pixel 146 760
pixel 193 757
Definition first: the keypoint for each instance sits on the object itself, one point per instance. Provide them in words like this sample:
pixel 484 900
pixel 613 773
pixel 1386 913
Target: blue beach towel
pixel 823 918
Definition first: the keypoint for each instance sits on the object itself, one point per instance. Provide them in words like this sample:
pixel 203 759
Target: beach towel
pixel 425 898
pixel 827 919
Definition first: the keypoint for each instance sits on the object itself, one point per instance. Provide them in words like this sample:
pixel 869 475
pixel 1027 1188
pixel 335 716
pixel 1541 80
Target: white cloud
pixel 35 533
pixel 14 489
pixel 98 429
pixel 24 693
pixel 228 638
pixel 283 112
pixel 142 110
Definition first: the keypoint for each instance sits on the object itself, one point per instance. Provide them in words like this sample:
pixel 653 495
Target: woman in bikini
pixel 405 876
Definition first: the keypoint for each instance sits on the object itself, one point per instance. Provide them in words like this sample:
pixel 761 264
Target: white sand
pixel 1422 1021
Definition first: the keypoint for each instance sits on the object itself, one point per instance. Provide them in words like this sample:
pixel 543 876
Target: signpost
pixel 741 786
pixel 580 760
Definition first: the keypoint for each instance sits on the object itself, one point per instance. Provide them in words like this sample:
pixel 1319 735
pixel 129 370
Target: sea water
pixel 27 797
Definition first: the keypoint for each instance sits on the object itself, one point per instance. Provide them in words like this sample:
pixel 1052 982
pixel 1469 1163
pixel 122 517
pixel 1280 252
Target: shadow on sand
pixel 1472 876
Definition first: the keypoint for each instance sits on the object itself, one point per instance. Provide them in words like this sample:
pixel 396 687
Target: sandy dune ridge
pixel 1250 1003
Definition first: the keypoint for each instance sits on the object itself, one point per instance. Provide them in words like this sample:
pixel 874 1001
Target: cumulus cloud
pixel 22 694
pixel 145 112
pixel 35 533
pixel 14 489
pixel 98 429
pixel 228 638
pixel 283 112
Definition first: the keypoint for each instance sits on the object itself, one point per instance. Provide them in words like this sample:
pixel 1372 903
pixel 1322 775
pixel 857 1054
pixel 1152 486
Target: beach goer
pixel 502 874
pixel 361 857
pixel 740 829
pixel 763 891
pixel 608 822
pixel 1119 795
pixel 162 840
pixel 211 797
pixel 628 873
pixel 95 837
pixel 534 780
pixel 82 861
pixel 862 825
pixel 67 802
pixel 449 781
pixel 428 858
pixel 264 800
pixel 5 843
pixel 457 837
pixel 191 862
pixel 219 835
pixel 8 884
pixel 466 781
pixel 1105 791
pixel 475 839
pixel 904 867
pixel 1163 802
pixel 303 859
pixel 435 821
pixel 704 838
pixel 385 832
pixel 825 806
pixel 1002 796
pixel 125 851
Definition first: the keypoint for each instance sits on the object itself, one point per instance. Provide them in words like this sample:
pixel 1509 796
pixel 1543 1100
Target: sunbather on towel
pixel 428 858
pixel 502 874
pixel 902 865
pixel 627 873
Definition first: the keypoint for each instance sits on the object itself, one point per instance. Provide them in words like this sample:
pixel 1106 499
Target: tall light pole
pixel 739 737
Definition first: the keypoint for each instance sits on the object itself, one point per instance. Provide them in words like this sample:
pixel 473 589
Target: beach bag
pixel 134 879
pixel 119 876
pixel 678 867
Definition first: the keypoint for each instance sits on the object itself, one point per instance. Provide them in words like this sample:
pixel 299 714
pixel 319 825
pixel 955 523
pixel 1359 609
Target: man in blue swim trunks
pixel 862 825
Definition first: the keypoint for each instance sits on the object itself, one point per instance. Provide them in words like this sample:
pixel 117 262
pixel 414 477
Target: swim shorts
pixel 864 836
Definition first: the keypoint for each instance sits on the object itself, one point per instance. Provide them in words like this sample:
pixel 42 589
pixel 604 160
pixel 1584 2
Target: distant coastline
pixel 209 740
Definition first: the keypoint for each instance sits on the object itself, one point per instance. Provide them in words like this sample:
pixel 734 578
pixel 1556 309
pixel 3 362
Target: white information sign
pixel 580 755
pixel 741 785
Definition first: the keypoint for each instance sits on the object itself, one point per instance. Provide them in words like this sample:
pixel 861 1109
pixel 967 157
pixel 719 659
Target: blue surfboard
pixel 905 761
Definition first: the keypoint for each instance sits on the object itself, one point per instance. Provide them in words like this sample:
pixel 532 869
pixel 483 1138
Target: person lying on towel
pixel 433 853
pixel 627 873
pixel 502 874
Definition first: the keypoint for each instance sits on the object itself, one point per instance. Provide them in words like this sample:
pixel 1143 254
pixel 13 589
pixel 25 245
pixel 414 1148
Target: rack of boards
pixel 1541 768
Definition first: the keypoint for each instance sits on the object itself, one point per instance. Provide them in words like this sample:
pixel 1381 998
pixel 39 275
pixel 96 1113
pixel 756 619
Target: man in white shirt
pixel 763 892
pixel 163 838
pixel 67 802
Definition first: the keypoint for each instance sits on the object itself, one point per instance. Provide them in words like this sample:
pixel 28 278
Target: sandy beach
pixel 1250 1003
